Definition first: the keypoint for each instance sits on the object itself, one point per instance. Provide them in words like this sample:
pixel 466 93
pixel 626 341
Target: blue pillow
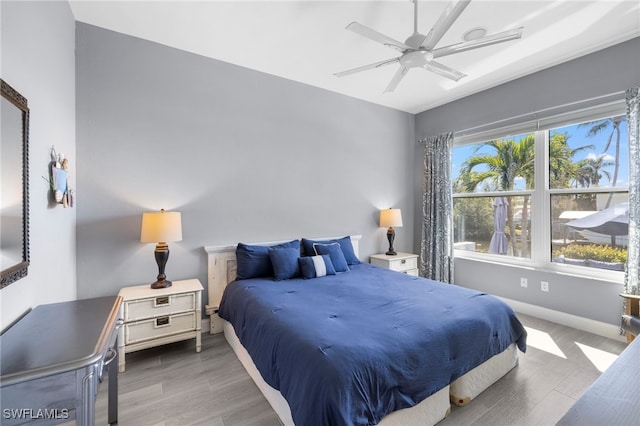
pixel 254 261
pixel 285 262
pixel 335 253
pixel 316 266
pixel 345 244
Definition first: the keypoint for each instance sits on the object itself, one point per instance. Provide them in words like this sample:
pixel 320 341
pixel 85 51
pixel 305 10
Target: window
pixel 553 198
pixel 588 180
pixel 495 180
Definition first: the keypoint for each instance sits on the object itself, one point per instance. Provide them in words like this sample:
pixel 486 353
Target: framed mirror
pixel 14 186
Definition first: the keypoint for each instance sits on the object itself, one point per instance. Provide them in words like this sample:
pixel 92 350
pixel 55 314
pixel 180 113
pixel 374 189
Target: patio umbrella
pixel 613 221
pixel 499 243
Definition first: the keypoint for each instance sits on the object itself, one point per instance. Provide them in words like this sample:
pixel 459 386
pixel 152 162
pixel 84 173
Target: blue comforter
pixel 350 348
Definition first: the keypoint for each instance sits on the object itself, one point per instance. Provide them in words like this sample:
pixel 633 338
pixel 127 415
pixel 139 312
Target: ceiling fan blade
pixel 376 36
pixel 397 77
pixel 444 70
pixel 444 22
pixel 481 42
pixel 367 67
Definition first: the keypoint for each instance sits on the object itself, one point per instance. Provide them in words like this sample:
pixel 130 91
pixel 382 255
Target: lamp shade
pixel 161 226
pixel 390 217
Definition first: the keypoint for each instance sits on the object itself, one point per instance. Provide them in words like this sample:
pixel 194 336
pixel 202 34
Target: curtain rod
pixel 543 113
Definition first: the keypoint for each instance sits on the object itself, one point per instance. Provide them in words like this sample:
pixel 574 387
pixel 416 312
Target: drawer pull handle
pixel 161 301
pixel 162 321
pixel 403 261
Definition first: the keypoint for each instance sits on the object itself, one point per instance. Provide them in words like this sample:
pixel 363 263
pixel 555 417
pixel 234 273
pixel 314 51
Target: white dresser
pixel 154 317
pixel 406 263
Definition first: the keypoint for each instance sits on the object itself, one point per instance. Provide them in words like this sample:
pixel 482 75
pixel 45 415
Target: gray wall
pixel 601 73
pixel 244 156
pixel 38 42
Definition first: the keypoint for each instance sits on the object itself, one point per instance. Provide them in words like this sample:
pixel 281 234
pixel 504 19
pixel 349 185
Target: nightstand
pixel 154 317
pixel 406 263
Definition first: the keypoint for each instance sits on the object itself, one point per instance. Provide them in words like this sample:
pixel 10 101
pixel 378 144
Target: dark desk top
pixel 56 338
pixel 613 398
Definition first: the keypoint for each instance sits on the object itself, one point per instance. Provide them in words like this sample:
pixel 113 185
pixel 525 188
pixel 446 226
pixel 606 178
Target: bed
pixel 364 346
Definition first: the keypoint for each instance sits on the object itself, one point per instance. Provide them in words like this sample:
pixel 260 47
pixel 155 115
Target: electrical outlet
pixel 523 282
pixel 544 286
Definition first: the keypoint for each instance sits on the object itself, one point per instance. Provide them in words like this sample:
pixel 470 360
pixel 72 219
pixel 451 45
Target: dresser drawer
pixel 403 264
pixel 158 306
pixel 158 327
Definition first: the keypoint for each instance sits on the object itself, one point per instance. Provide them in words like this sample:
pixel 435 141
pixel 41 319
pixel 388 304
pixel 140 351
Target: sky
pixel 577 137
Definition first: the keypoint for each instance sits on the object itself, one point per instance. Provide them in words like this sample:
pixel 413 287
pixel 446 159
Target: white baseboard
pixel 205 325
pixel 585 324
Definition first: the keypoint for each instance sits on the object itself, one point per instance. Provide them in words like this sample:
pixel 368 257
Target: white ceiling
pixel 305 41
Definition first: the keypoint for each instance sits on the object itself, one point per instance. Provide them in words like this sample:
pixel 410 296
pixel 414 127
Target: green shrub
pixel 593 252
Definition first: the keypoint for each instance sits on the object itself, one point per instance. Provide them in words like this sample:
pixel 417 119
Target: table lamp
pixel 161 227
pixel 390 218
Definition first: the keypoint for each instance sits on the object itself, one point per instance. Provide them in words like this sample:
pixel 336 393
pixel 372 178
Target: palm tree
pixel 509 161
pixel 591 170
pixel 562 169
pixel 600 126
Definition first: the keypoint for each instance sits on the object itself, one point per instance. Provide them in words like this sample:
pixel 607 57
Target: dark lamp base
pixel 391 235
pixel 161 284
pixel 162 255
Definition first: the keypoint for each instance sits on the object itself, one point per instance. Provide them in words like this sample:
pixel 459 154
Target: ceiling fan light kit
pixel 418 51
pixel 474 33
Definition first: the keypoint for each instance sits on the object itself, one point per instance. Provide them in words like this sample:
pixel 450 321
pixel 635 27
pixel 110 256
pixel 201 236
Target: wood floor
pixel 174 385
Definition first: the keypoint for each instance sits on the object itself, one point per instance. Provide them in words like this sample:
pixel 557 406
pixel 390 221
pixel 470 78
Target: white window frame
pixel 540 232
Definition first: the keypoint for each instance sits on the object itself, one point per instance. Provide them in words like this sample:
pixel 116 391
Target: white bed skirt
pixel 467 387
pixel 428 412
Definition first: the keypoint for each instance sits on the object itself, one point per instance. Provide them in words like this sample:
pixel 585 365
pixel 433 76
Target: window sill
pixel 599 274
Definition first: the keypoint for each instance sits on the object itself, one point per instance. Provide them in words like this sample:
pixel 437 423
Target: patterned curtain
pixel 632 275
pixel 436 246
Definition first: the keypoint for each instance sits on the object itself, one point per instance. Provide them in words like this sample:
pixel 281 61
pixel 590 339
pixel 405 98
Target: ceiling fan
pixel 418 51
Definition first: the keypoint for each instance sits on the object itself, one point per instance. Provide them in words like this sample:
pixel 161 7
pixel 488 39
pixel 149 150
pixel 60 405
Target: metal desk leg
pixel 85 414
pixel 113 388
